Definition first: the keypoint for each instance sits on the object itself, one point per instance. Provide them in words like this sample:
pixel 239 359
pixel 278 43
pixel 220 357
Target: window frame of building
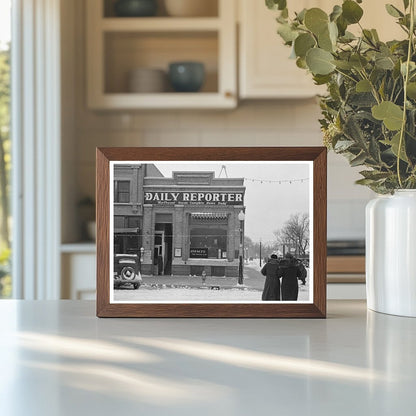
pixel 118 192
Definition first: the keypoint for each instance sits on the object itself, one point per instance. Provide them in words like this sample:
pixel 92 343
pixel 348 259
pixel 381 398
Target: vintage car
pixel 127 270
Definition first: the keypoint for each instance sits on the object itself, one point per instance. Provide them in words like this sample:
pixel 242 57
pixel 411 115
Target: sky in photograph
pixel 268 205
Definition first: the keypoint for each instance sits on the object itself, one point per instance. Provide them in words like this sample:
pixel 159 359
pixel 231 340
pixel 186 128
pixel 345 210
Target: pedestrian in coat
pixel 289 271
pixel 271 289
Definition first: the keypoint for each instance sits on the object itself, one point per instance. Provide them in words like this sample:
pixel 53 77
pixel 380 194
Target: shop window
pixel 122 191
pixel 212 240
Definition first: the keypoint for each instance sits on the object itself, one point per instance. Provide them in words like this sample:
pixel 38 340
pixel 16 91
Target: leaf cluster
pixel 369 111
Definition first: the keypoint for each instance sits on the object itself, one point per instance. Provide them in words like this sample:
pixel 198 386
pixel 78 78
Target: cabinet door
pixel 265 68
pixel 266 71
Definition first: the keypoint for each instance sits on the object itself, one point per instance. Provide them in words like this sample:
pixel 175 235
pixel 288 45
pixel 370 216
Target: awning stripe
pixel 209 215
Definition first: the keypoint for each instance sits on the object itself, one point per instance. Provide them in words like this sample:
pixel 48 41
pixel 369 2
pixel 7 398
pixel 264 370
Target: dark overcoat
pixel 271 289
pixel 289 272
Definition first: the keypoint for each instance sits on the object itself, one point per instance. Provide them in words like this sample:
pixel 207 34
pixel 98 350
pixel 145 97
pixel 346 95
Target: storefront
pixel 190 224
pixel 128 205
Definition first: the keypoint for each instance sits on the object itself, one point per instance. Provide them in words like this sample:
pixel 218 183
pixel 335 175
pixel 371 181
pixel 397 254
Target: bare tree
pixel 295 232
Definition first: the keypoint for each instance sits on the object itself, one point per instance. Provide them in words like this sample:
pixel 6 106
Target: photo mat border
pixel 314 309
pixel 230 163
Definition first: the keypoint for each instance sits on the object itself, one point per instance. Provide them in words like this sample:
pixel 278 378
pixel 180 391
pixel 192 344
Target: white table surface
pixel 57 358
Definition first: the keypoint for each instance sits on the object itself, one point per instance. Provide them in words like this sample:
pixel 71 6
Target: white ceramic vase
pixel 391 253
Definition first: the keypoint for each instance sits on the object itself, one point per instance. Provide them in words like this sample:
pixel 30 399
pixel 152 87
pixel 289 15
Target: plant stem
pixel 406 80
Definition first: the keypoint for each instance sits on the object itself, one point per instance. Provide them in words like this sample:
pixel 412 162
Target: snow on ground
pixel 190 295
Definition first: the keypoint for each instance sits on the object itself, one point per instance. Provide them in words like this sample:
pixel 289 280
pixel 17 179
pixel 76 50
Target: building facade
pixel 186 224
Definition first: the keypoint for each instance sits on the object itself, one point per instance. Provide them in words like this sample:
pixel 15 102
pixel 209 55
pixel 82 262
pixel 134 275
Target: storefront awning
pixel 134 231
pixel 209 215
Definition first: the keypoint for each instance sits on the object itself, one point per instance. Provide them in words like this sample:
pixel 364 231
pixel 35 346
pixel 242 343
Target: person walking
pixel 271 289
pixel 289 271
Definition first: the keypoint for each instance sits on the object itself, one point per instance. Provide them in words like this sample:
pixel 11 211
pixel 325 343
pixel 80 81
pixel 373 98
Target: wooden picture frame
pixel 315 157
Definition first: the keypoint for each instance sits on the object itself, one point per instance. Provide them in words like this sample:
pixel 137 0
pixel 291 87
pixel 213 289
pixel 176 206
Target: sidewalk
pixel 194 282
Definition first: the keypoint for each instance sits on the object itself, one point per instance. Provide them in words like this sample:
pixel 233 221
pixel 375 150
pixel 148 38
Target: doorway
pixel 163 248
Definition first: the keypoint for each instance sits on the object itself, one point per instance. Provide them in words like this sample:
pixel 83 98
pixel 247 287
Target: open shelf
pixel 210 9
pixel 127 51
pixel 119 45
pixel 160 24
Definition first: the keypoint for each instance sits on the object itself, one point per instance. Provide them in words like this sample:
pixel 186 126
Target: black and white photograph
pixel 211 232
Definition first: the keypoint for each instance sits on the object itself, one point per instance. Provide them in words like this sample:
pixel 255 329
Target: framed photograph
pixel 211 232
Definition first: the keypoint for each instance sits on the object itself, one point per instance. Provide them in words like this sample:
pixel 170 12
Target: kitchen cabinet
pixel 118 45
pixel 78 271
pixel 265 69
pixel 264 65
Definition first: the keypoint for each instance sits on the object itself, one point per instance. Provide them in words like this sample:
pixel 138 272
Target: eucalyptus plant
pixel 369 111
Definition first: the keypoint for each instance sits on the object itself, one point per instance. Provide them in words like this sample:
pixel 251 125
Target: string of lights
pixel 280 181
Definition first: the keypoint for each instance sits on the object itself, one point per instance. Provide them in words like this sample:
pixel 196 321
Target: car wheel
pixel 136 285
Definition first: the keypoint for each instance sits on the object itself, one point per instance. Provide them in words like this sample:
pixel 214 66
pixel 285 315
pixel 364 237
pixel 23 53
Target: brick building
pixel 186 224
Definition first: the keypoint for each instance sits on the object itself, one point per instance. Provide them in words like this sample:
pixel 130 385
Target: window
pixel 122 191
pixel 5 161
pixel 118 221
pixel 212 241
pixel 133 222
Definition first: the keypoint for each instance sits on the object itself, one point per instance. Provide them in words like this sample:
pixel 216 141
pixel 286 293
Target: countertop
pixel 57 358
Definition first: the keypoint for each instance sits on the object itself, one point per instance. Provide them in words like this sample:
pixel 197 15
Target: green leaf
pixel 325 42
pixel 301 15
pixel 351 11
pixel 363 86
pixel 384 62
pixel 374 175
pixel 358 61
pixel 343 145
pixel 344 65
pixel 342 25
pixel 406 4
pixel 287 33
pixel 319 61
pixel 388 112
pixel 303 43
pixel 375 35
pixel 394 145
pixel 411 90
pixel 358 160
pixel 321 79
pixel 316 20
pixel 393 11
pixel 336 12
pixel 301 63
pixel 347 37
pixel 276 4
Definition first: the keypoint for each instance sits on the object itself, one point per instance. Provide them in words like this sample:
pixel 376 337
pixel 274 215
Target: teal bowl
pixel 186 76
pixel 135 8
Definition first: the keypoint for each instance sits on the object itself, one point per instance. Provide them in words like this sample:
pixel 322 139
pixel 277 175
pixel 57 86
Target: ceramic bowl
pixel 135 8
pixel 186 76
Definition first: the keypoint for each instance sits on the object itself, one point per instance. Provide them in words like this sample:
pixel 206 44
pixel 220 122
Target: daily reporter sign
pixel 194 198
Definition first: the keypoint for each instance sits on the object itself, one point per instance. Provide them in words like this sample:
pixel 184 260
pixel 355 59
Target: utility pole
pixel 260 252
